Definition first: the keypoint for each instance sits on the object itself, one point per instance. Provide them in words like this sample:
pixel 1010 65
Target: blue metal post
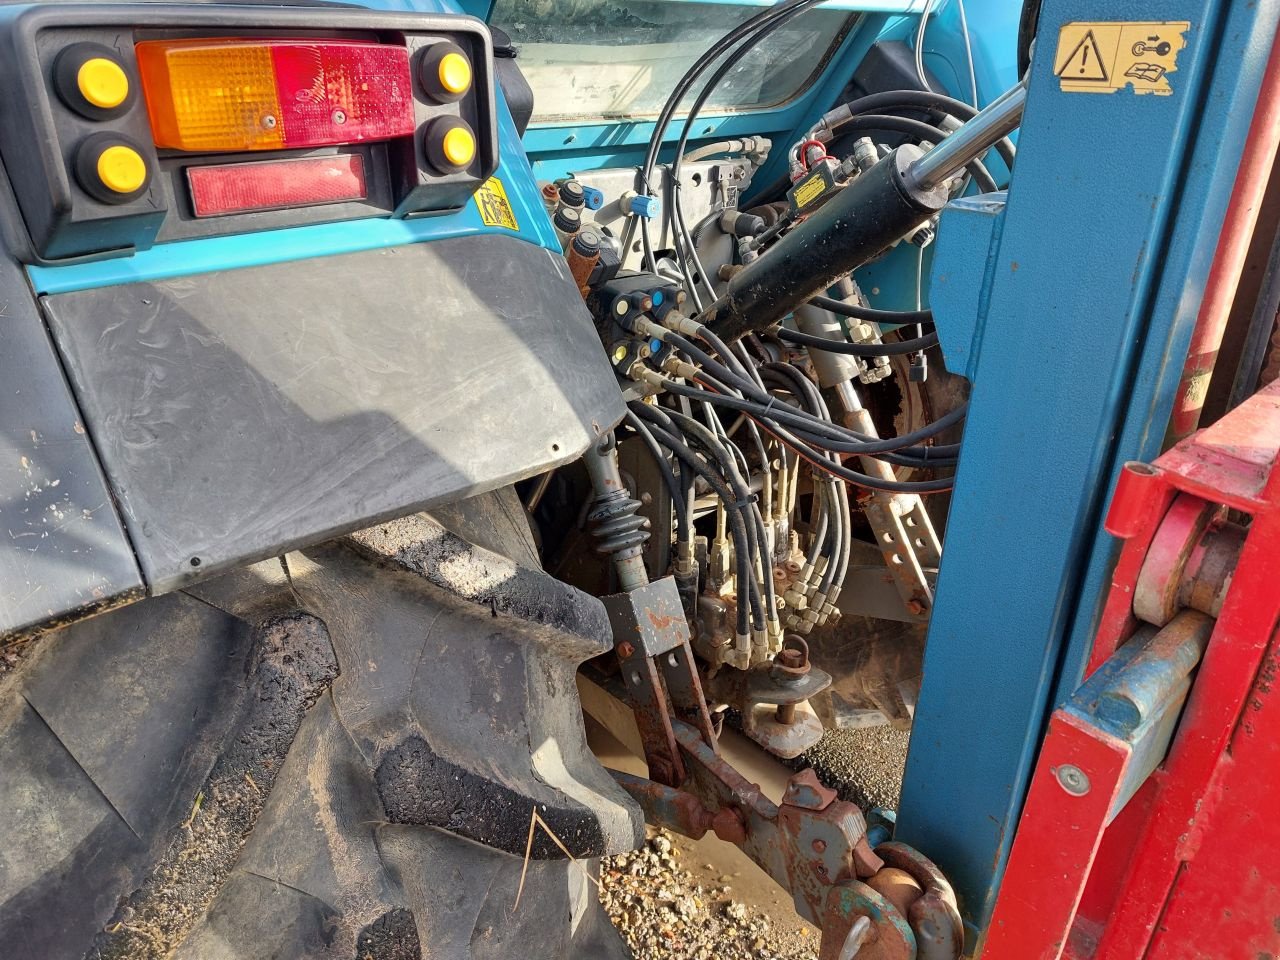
pixel 1073 328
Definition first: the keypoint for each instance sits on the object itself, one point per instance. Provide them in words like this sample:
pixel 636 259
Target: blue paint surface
pixel 1086 306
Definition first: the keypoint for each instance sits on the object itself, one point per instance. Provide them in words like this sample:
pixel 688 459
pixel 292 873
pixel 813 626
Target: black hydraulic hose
pixel 742 492
pixel 815 457
pixel 803 389
pixel 772 411
pixel 682 87
pixel 856 312
pixel 938 104
pixel 859 349
pixel 737 525
pixel 919 458
pixel 659 416
pixel 1028 25
pixel 730 61
pixel 861 444
pixel 683 514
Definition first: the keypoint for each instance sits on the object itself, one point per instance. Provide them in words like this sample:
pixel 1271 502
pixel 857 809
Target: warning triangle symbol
pixel 1085 62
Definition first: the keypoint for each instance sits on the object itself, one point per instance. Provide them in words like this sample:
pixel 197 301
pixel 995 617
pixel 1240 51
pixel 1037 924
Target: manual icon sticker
pixel 1106 57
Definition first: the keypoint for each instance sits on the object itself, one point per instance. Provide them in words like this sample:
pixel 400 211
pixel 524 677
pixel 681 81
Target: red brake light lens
pixel 276 184
pixel 210 95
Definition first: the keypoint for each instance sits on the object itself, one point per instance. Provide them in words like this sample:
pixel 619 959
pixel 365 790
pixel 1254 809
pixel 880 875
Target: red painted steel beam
pixel 1233 247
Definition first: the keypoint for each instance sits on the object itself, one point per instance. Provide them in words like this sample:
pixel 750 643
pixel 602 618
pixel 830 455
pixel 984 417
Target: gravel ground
pixel 864 766
pixel 671 904
pixel 669 909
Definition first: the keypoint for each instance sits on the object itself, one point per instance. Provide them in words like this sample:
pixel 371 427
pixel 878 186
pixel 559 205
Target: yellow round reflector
pixel 103 82
pixel 122 169
pixel 459 147
pixel 455 73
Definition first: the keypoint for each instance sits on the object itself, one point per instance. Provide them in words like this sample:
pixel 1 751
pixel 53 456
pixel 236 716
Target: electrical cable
pixel 925 12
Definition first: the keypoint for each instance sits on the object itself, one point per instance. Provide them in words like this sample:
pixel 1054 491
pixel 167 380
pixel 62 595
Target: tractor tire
pixel 334 754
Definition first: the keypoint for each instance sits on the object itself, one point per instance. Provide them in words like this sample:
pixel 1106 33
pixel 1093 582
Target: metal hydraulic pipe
pixel 878 207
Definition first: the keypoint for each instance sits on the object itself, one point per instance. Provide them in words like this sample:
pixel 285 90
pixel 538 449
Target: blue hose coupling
pixel 645 206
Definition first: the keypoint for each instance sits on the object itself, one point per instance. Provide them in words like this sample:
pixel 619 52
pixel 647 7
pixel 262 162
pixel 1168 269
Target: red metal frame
pixel 1256 162
pixel 1191 866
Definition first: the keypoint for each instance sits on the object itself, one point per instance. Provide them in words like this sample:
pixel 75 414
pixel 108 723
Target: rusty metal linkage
pixel 890 903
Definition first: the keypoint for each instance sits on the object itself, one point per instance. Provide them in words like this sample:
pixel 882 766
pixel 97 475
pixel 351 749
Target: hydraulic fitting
pixel 865 154
pixel 567 222
pixel 571 193
pixel 640 205
pixel 628 357
pixel 759 645
pixel 736 223
pixel 583 254
pixel 679 368
pixel 592 198
pixel 719 561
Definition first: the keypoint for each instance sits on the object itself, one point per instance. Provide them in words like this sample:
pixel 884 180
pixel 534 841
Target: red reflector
pixel 276 184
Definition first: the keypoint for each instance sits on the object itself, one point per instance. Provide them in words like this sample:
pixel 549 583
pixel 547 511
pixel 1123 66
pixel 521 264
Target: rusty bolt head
pixel 791 663
pixel 626 649
pixel 819 845
pixel 915 607
pixel 728 826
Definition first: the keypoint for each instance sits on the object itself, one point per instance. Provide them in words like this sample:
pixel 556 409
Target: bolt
pixel 1072 779
pixel 339 116
pixel 819 845
pixel 626 649
pixel 915 607
pixel 728 825
pixel 786 714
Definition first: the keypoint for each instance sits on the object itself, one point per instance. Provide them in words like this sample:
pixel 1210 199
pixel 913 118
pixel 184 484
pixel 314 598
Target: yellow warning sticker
pixel 1106 57
pixel 809 191
pixel 495 208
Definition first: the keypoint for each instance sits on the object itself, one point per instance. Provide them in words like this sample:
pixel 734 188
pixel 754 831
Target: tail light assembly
pixel 145 122
pixel 217 95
